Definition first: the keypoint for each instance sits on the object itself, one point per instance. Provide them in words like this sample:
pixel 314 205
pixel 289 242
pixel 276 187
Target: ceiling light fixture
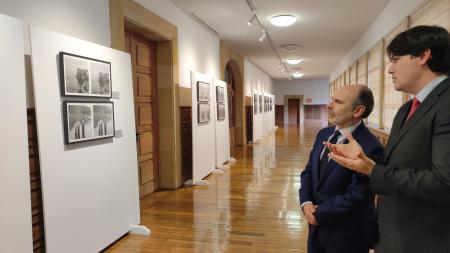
pixel 250 21
pixel 263 35
pixel 289 47
pixel 297 75
pixel 293 61
pixel 283 20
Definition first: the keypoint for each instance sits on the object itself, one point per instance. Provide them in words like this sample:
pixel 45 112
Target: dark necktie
pixel 324 160
pixel 414 106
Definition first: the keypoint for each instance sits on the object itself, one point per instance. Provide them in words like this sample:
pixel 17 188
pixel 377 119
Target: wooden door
pixel 143 58
pixel 293 111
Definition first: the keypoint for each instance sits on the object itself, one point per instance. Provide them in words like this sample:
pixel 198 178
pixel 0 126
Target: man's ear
pixel 425 57
pixel 358 111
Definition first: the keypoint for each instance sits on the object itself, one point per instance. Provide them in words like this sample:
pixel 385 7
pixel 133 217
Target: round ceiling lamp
pixel 293 61
pixel 289 47
pixel 282 20
pixel 297 75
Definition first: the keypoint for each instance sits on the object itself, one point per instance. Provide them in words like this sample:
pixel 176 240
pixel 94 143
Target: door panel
pixel 145 141
pixel 144 118
pixel 144 86
pixel 293 111
pixel 143 60
pixel 146 171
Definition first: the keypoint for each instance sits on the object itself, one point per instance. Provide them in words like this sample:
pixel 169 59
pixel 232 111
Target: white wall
pixel 84 19
pixel 389 18
pixel 317 89
pixel 198 49
pixel 15 211
pixel 256 79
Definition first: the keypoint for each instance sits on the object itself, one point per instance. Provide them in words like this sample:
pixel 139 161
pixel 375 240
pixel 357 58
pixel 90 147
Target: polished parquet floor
pixel 252 207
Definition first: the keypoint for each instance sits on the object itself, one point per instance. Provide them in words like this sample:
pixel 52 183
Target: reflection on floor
pixel 253 207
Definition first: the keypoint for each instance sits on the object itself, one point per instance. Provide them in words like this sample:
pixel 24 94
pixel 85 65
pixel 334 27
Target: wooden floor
pixel 253 207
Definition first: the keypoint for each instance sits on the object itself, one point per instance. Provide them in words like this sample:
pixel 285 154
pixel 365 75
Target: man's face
pixel 340 109
pixel 405 71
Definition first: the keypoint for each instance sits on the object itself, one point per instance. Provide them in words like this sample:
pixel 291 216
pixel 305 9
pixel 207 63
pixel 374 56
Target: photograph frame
pixel 220 94
pixel 221 113
pixel 88 133
pixel 260 103
pixel 255 104
pixel 203 91
pixel 201 109
pixel 100 87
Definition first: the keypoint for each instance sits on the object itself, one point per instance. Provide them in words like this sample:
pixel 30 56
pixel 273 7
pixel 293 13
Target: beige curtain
pixel 374 82
pixel 392 99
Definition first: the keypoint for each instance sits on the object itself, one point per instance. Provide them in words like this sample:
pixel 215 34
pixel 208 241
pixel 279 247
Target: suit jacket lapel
pixel 357 134
pixel 424 107
pixel 316 174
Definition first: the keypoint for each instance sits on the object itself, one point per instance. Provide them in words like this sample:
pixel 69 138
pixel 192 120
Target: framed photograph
pixel 220 94
pixel 220 111
pixel 84 77
pixel 204 114
pixel 203 92
pixel 265 104
pixel 260 104
pixel 255 104
pixel 84 121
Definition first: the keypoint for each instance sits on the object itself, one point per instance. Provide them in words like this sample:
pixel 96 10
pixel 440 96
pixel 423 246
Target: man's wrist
pixel 372 167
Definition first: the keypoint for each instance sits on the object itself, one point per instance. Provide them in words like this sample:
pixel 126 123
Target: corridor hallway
pixel 253 207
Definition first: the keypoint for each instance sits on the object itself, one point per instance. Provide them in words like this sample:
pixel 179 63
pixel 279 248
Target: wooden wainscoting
pixel 35 185
pixel 249 121
pixel 279 115
pixel 186 142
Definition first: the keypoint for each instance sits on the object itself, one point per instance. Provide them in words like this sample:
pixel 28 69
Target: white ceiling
pixel 325 29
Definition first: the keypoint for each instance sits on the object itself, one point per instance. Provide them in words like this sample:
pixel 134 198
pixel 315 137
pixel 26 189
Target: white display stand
pixel 15 214
pixel 90 190
pixel 203 141
pixel 222 130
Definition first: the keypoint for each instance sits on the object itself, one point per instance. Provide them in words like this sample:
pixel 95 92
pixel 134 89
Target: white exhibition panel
pixel 222 129
pixel 90 189
pixel 15 214
pixel 263 122
pixel 265 118
pixel 203 141
pixel 257 120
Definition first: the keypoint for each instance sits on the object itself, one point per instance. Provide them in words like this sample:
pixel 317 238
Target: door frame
pixel 129 14
pixel 286 108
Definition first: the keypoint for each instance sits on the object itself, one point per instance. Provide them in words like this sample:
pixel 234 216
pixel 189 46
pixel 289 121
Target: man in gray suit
pixel 413 177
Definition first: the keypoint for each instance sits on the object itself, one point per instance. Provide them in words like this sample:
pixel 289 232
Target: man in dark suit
pixel 336 201
pixel 413 179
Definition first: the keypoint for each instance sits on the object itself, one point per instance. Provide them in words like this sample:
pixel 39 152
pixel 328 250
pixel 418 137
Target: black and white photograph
pixel 220 111
pixel 265 104
pixel 260 103
pixel 203 92
pixel 255 104
pixel 84 77
pixel 204 114
pixel 85 121
pixel 220 94
pixel 100 79
pixel 103 120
